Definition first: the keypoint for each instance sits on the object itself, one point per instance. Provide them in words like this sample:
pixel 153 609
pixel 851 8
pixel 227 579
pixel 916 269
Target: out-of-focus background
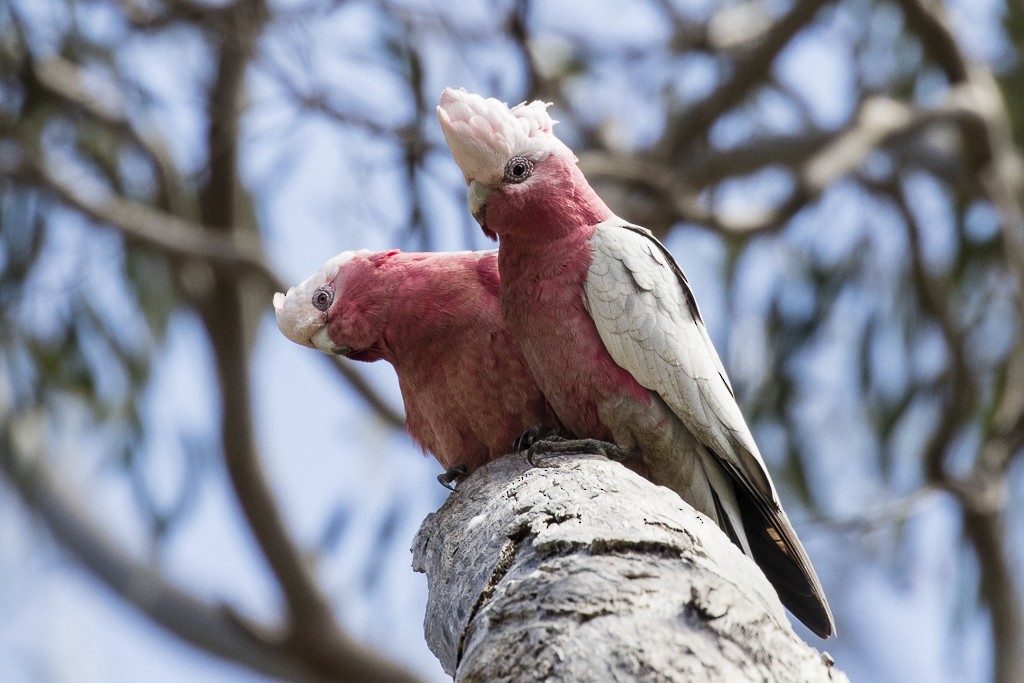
pixel 182 487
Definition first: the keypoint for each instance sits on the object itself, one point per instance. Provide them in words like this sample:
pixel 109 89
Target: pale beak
pixel 321 339
pixel 478 193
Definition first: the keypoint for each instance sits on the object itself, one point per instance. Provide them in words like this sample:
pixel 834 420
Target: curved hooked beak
pixel 478 193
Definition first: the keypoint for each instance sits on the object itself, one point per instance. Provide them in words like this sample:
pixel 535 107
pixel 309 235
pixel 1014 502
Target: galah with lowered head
pixel 436 318
pixel 609 326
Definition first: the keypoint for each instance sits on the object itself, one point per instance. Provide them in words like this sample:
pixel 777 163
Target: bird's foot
pixel 559 445
pixel 535 434
pixel 455 473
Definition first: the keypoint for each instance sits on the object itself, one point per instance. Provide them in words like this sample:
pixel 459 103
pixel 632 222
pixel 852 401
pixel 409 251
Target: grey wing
pixel 648 320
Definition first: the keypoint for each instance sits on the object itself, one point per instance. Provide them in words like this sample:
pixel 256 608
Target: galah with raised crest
pixel 611 330
pixel 436 318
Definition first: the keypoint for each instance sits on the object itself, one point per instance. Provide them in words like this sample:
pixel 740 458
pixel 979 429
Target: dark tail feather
pixel 779 554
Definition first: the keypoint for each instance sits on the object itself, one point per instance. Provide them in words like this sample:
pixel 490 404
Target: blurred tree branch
pixel 816 160
pixel 966 141
pixel 886 514
pixel 311 637
pixel 217 629
pixel 748 70
pixel 140 223
pixel 165 232
pixel 311 625
pixel 982 493
pixel 177 237
pixel 64 80
pixel 1002 175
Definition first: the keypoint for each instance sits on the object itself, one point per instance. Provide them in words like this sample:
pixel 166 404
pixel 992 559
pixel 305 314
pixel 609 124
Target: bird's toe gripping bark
pixel 455 473
pixel 559 445
pixel 535 434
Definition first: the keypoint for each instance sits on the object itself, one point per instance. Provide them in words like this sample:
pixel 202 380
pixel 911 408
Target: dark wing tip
pixel 779 554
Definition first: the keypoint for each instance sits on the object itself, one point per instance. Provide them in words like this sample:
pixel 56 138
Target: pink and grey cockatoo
pixel 611 330
pixel 436 318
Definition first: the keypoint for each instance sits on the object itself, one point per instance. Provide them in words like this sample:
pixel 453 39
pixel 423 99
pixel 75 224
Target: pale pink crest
pixel 484 133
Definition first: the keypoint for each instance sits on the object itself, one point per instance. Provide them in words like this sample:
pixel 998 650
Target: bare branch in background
pixel 817 160
pixel 666 197
pixel 317 101
pixel 712 166
pixel 746 72
pixel 168 234
pixel 982 494
pixel 311 634
pixel 1003 178
pixel 925 18
pixel 64 79
pixel 885 514
pixel 144 16
pixel 182 239
pixel 986 530
pixel 311 625
pixel 520 35
pixel 211 627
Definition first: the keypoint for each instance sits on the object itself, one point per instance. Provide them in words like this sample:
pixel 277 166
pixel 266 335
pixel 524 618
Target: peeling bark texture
pixel 583 571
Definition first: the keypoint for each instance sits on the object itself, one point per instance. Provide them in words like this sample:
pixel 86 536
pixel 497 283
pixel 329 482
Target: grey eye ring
pixel 322 298
pixel 518 169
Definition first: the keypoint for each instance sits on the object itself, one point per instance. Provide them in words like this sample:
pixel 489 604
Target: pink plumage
pixel 608 325
pixel 436 318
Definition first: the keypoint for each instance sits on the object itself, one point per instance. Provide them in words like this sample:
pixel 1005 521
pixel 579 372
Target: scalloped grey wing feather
pixel 647 318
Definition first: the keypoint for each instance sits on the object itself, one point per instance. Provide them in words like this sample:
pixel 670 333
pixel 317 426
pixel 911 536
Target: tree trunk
pixel 584 571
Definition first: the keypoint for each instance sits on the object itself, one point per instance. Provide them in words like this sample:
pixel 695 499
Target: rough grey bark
pixel 583 571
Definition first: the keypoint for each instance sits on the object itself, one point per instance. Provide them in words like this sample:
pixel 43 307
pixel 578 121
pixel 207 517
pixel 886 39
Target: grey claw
pixel 534 435
pixel 455 473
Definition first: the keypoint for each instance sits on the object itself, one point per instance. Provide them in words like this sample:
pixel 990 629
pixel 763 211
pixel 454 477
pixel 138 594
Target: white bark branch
pixel 584 571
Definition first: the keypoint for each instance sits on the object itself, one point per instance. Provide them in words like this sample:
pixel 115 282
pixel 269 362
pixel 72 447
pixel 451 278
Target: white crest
pixel 484 133
pixel 297 318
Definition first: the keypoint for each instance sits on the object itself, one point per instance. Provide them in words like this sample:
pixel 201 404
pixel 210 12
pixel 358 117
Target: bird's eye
pixel 518 169
pixel 322 298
